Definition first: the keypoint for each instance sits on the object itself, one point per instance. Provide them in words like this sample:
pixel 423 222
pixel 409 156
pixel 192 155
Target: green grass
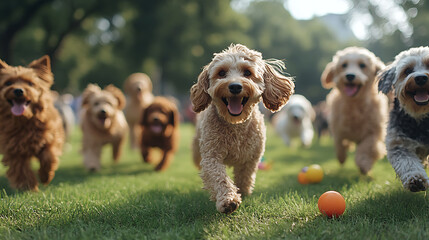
pixel 131 201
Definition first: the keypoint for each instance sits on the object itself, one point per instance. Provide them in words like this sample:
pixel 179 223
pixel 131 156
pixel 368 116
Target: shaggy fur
pixel 30 126
pixel 357 112
pixel 102 122
pixel 230 128
pixel 160 122
pixel 407 139
pixel 138 89
pixel 295 121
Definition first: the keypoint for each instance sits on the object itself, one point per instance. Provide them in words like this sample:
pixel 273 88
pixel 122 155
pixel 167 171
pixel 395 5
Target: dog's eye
pixel 247 73
pixel 362 65
pixel 96 103
pixel 8 83
pixel 344 65
pixel 408 71
pixel 222 73
pixel 30 84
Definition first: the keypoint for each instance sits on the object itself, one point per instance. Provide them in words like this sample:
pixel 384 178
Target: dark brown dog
pixel 160 122
pixel 30 126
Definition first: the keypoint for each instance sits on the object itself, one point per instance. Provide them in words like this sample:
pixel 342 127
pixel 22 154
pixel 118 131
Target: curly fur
pixel 230 129
pixel 30 126
pixel 407 138
pixel 102 122
pixel 160 122
pixel 357 112
pixel 138 89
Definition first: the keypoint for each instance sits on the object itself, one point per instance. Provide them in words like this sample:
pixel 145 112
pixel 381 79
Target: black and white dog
pixel 407 139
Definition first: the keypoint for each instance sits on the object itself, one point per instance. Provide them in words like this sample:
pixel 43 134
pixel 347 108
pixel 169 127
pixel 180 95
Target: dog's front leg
pixel 368 151
pixel 221 187
pixel 19 173
pixel 165 161
pixel 91 157
pixel 245 176
pixel 409 168
pixel 48 165
pixel 341 148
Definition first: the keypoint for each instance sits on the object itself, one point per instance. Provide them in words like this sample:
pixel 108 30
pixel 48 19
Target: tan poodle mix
pixel 30 126
pixel 138 89
pixel 102 122
pixel 357 112
pixel 230 129
pixel 160 124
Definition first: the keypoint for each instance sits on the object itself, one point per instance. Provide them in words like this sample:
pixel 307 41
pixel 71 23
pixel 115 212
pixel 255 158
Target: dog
pixel 62 104
pixel 30 126
pixel 230 129
pixel 160 124
pixel 138 89
pixel 321 120
pixel 407 140
pixel 102 122
pixel 357 112
pixel 295 121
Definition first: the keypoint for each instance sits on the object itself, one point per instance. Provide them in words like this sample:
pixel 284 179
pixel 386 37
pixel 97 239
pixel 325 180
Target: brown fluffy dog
pixel 30 126
pixel 231 131
pixel 102 122
pixel 160 122
pixel 357 112
pixel 138 88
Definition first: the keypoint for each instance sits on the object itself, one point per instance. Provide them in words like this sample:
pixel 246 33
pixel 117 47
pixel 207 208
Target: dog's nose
pixel 18 92
pixel 421 80
pixel 350 77
pixel 103 112
pixel 235 88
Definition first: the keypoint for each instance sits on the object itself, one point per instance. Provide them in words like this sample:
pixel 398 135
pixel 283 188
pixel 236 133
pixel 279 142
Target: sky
pixel 307 9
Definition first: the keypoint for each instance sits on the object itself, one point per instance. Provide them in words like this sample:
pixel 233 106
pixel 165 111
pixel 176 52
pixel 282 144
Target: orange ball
pixel 302 178
pixel 331 203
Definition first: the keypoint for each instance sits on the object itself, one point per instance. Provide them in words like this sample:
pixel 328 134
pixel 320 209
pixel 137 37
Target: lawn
pixel 129 200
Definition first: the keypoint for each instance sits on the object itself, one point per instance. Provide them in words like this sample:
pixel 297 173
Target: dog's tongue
pixel 421 96
pixel 350 90
pixel 156 128
pixel 18 108
pixel 234 105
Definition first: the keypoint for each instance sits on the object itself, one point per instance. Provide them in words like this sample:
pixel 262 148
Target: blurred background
pixel 94 41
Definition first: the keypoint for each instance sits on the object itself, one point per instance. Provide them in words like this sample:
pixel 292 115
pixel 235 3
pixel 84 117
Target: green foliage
pixel 129 200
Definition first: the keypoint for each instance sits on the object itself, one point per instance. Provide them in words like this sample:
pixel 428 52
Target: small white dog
pixel 407 139
pixel 295 121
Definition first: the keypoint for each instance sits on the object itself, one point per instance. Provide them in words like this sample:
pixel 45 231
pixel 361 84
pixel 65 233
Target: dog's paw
pixel 417 184
pixel 228 206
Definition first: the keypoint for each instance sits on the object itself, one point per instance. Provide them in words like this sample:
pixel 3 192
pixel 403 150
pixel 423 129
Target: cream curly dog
pixel 407 139
pixel 230 128
pixel 358 113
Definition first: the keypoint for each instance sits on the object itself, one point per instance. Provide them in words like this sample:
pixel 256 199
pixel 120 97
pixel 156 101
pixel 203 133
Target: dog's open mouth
pixel 351 89
pixel 156 128
pixel 18 106
pixel 420 96
pixel 235 104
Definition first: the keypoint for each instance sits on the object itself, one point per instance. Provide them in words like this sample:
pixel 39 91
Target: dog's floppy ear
pixel 118 95
pixel 199 97
pixel 386 79
pixel 143 117
pixel 173 118
pixel 327 78
pixel 42 66
pixel 278 88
